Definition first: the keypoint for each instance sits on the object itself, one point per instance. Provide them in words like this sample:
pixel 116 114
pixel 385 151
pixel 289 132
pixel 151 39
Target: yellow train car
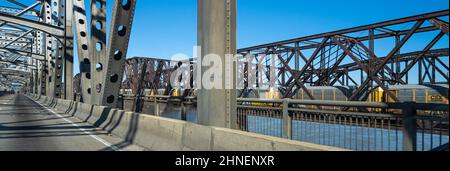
pixel 413 93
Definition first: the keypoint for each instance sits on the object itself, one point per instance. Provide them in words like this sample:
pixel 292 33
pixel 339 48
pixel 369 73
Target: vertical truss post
pixel 381 66
pixel 42 78
pixel 407 74
pixel 120 31
pixel 297 56
pixel 47 18
pixel 140 85
pixel 68 50
pixel 421 81
pixel 433 70
pixel 217 35
pixel 57 50
pixel 397 60
pixel 372 57
pixel 36 78
pixel 81 29
pixel 97 49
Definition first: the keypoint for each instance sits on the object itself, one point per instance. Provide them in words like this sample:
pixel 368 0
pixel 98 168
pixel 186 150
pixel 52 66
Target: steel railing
pixel 359 126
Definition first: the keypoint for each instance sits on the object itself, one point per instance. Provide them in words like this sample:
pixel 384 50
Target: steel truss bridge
pixel 329 59
pixel 37 53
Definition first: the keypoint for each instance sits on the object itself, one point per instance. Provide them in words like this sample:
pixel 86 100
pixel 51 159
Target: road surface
pixel 27 126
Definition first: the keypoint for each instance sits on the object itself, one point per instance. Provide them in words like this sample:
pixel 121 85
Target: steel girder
pixel 10 10
pixel 68 50
pixel 48 41
pixel 23 53
pixel 150 73
pixel 49 49
pixel 327 62
pixel 14 72
pixel 335 71
pixel 114 61
pixel 101 61
pixel 55 55
pixel 97 49
pixel 80 20
pixel 18 42
pixel 50 29
pixel 17 38
pixel 217 35
pixel 18 64
pixel 305 40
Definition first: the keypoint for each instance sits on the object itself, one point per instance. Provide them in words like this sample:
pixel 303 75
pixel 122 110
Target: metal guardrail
pixel 377 130
pixel 157 100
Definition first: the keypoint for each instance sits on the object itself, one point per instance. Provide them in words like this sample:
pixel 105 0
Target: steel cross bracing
pixel 334 56
pixel 327 59
pixel 39 37
pixel 156 75
pixel 19 55
pixel 102 62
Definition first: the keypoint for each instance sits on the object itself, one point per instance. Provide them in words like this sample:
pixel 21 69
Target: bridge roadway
pixel 27 126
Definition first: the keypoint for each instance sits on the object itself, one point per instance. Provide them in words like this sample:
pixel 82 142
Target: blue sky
pixel 163 28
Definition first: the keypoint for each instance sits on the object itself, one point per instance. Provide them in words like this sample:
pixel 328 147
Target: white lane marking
pixel 104 142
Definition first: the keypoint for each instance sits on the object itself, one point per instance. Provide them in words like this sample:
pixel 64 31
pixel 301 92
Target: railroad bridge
pixel 330 91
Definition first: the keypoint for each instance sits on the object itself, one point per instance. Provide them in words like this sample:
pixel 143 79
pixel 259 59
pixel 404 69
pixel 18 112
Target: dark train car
pixel 260 94
pixel 328 93
pixel 437 93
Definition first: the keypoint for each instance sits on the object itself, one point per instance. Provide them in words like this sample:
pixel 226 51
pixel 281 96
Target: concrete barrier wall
pixel 43 99
pixel 163 134
pixel 36 97
pixel 53 103
pixel 83 111
pixel 46 100
pixel 98 115
pixel 63 105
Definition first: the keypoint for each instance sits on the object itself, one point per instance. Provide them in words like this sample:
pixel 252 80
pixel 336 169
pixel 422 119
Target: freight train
pixel 436 93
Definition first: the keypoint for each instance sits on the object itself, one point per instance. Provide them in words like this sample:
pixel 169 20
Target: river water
pixel 355 138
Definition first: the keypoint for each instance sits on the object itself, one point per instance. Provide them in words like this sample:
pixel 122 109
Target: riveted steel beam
pixel 217 35
pixel 24 11
pixel 82 39
pixel 18 38
pixel 49 64
pixel 68 50
pixel 57 51
pixel 97 50
pixel 47 28
pixel 23 53
pixel 357 29
pixel 122 19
